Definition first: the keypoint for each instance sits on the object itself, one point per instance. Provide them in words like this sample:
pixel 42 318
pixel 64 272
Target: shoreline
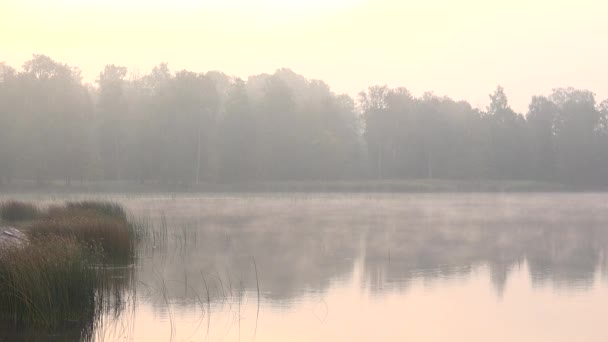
pixel 385 186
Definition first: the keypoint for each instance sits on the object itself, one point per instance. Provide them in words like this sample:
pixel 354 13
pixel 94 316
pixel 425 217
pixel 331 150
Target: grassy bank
pixel 101 227
pixel 50 281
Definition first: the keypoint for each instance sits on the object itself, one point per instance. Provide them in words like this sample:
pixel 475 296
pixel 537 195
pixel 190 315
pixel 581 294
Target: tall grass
pixel 51 282
pixel 154 234
pixel 13 211
pixel 106 237
pixel 100 226
pixel 46 283
pixel 109 209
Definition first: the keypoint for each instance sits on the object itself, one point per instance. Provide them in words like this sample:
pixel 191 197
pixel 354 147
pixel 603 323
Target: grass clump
pixel 102 227
pixel 47 283
pixel 13 211
pixel 54 282
pixel 108 237
pixel 109 209
pixel 93 208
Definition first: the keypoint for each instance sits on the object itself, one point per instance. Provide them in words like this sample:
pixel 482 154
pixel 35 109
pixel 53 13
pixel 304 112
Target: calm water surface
pixel 363 267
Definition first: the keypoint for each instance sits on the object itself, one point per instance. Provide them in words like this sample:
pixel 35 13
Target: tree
pixel 541 121
pixel 238 135
pixel 576 131
pixel 112 109
pixel 385 113
pixel 507 154
pixel 9 89
pixel 56 110
pixel 278 146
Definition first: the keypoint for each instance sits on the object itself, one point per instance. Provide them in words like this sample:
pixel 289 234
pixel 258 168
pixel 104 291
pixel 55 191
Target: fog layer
pixel 185 127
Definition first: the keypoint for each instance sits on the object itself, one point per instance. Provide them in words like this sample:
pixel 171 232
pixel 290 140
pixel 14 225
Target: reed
pixel 111 237
pixel 13 211
pixel 104 208
pixel 98 208
pixel 51 282
pixel 47 283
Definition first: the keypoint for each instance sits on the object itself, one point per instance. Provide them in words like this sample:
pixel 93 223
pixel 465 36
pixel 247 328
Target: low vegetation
pixel 13 211
pixel 107 237
pixel 103 227
pixel 109 209
pixel 53 279
pixel 47 283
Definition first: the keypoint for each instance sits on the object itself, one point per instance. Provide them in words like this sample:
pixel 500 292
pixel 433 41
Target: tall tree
pixel 57 110
pixel 576 128
pixel 541 121
pixel 112 109
pixel 507 158
pixel 237 135
pixel 9 91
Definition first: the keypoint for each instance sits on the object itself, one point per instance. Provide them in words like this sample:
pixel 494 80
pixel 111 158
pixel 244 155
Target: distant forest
pixel 185 127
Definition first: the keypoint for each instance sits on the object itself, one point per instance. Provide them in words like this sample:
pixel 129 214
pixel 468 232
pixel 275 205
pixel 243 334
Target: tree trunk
pixel 198 151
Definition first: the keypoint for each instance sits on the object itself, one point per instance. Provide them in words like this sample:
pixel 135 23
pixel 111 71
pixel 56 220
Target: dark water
pixel 321 267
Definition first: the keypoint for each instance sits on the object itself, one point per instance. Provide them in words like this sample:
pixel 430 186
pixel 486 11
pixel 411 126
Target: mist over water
pixel 303 170
pixel 354 266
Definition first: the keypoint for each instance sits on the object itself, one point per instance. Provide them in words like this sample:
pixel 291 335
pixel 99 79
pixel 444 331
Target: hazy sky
pixel 459 48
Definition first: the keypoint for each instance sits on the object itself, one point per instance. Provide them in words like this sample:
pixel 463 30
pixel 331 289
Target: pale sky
pixel 458 48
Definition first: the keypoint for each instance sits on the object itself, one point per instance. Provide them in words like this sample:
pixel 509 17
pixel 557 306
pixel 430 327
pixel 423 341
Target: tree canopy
pixel 186 127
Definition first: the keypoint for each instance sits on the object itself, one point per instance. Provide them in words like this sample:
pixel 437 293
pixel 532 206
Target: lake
pixel 361 267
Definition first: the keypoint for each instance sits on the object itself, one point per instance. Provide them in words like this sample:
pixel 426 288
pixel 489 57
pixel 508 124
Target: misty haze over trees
pixel 187 127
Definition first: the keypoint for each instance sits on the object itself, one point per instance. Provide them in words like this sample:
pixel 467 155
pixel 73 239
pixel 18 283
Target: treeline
pixel 187 127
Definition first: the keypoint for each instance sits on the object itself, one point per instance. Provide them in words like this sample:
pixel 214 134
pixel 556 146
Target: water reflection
pixel 276 266
pixel 302 245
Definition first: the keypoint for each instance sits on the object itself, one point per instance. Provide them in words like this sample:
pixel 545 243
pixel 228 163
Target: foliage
pixel 185 127
pixel 18 211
